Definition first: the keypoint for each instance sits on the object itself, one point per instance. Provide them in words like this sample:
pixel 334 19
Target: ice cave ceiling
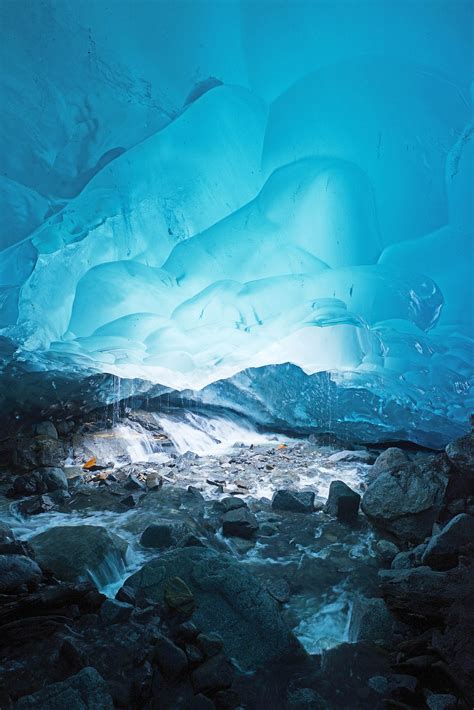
pixel 195 194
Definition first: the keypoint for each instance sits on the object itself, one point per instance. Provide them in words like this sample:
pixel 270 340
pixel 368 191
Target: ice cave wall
pixel 193 189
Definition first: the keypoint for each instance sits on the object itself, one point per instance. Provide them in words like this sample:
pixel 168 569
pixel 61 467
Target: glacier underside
pixel 280 224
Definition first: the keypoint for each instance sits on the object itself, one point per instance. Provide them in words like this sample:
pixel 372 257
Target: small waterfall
pixel 207 435
pixel 140 444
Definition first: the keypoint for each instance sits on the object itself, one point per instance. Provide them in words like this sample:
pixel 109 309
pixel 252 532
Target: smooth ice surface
pixel 191 203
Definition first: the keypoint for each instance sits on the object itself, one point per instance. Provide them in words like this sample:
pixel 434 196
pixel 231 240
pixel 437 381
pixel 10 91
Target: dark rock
pixel 133 484
pixel 305 699
pixel 406 501
pixel 34 452
pixel 185 632
pixel 342 502
pixel 170 659
pixel 461 454
pixel 114 612
pixel 358 456
pixel 178 596
pixel 268 529
pixel 227 699
pixel 132 500
pixel 201 702
pixel 165 534
pixel 46 429
pixel 210 644
pixel 386 551
pixel 36 505
pixel 214 674
pixel 442 551
pixel 17 571
pixel 391 459
pixel 191 540
pixel 18 547
pixel 42 480
pixel 125 595
pixel 370 621
pixel 293 501
pixel 80 552
pixel 193 654
pixel 440 701
pixel 239 522
pixel 6 533
pixel 397 686
pixel 231 503
pixel 279 589
pixel 86 689
pixel 229 600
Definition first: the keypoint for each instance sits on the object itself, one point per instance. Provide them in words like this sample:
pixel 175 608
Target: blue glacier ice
pixel 279 222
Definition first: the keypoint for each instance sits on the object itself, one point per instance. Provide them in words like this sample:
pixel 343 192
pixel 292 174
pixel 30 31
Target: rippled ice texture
pixel 184 198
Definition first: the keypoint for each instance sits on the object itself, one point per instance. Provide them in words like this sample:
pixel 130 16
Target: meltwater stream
pixel 319 554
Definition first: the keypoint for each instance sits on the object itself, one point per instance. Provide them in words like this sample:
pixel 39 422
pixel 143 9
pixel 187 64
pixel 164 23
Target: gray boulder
pixel 229 600
pixel 406 500
pixel 442 551
pixel 165 534
pixel 360 456
pixel 239 522
pixel 43 480
pixel 77 553
pixel 293 501
pixel 17 571
pixel 342 502
pixel 370 621
pixel 46 429
pixel 86 690
pixel 6 534
pixel 386 551
pixel 389 460
pixel 461 454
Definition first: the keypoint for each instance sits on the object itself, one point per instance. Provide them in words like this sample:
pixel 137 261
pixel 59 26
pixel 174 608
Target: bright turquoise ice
pixel 192 189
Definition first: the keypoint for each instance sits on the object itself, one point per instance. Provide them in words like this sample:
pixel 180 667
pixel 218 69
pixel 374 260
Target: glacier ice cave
pixel 236 355
pixel 266 205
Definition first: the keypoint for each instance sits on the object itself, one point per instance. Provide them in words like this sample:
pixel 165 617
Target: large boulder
pixel 461 454
pixel 36 451
pixel 166 533
pixel 293 501
pixel 391 459
pixel 342 502
pixel 77 553
pixel 239 522
pixel 17 571
pixel 86 689
pixel 444 548
pixel 229 601
pixel 43 480
pixel 406 498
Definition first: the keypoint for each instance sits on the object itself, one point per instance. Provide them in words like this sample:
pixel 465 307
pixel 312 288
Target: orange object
pixel 281 446
pixel 90 463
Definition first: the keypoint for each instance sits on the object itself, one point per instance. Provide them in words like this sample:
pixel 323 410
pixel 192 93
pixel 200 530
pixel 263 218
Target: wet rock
pixel 231 503
pixel 6 534
pixel 42 480
pixel 227 699
pixel 201 702
pixel 17 571
pixel 229 600
pixel 392 459
pixel 342 502
pixel 386 551
pixel 461 454
pixel 133 483
pixel 421 592
pixel 214 674
pixel 38 451
pixel 397 686
pixel 305 699
pixel 438 701
pixel 210 644
pixel 17 547
pixel 185 632
pixel 239 522
pixel 178 596
pixel 268 529
pixel 165 534
pixel 405 501
pixel 279 589
pixel 170 659
pixel 81 552
pixel 86 689
pixel 370 621
pixel 114 612
pixel 46 429
pixel 443 550
pixel 359 456
pixel 293 501
pixel 132 500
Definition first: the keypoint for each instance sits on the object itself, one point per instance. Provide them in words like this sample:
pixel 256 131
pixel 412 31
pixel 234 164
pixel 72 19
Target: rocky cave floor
pixel 299 574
